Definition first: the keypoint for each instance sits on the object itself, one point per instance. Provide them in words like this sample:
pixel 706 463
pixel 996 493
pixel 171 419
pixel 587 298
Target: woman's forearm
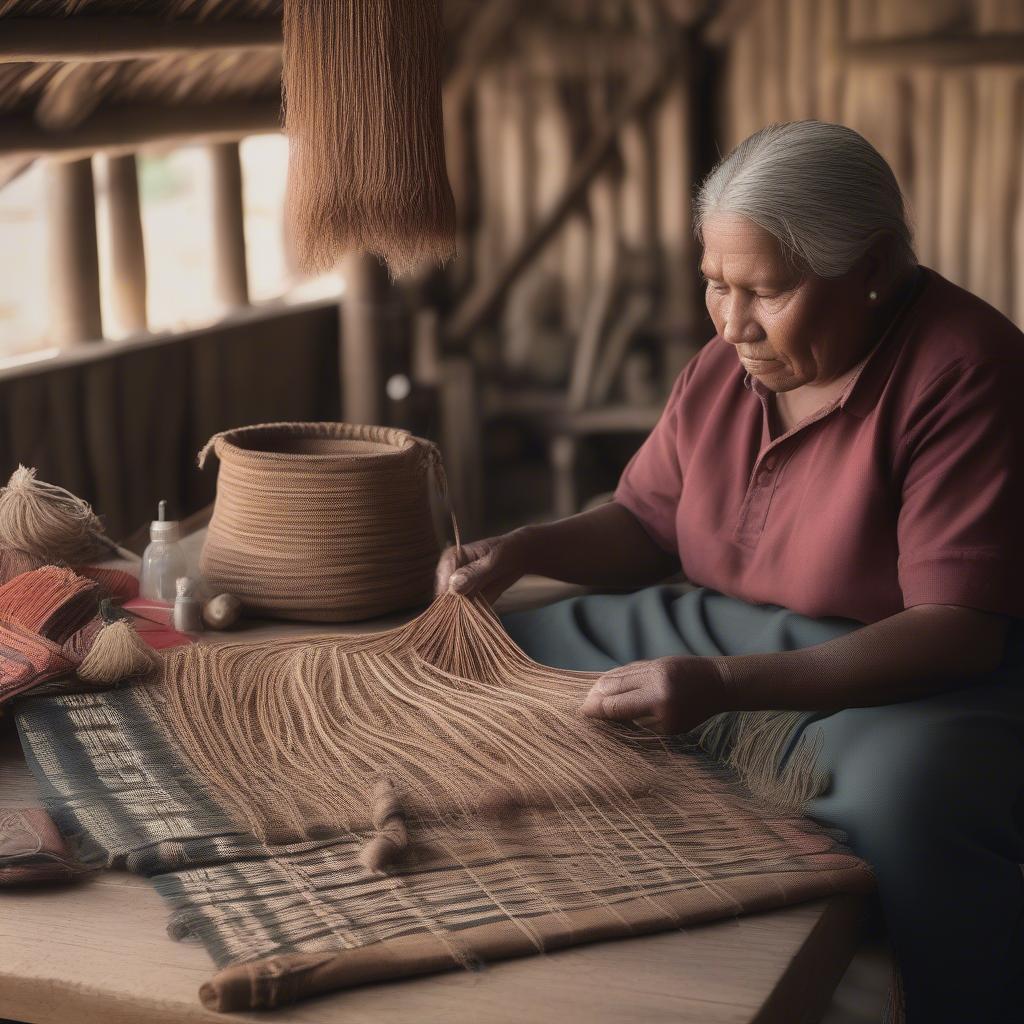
pixel 605 546
pixel 918 651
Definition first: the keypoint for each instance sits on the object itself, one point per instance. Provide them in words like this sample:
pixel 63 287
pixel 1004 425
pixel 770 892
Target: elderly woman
pixel 840 473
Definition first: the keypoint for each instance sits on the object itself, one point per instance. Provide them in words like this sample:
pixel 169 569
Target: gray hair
pixel 821 189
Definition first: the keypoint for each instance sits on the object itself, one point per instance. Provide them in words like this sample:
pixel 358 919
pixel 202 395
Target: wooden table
pixel 97 952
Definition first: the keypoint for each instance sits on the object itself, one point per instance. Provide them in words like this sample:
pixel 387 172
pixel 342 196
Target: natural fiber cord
pixel 324 522
pixel 362 88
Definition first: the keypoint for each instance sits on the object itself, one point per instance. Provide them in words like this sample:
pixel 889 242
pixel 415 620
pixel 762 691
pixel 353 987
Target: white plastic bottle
pixel 163 561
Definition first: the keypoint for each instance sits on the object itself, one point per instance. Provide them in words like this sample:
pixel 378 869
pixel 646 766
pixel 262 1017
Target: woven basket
pixel 322 522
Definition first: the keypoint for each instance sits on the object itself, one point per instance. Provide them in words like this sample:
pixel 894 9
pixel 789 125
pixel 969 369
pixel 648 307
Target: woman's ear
pixel 879 265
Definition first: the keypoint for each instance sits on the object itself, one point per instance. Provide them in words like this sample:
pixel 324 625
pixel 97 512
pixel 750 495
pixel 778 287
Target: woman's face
pixel 789 329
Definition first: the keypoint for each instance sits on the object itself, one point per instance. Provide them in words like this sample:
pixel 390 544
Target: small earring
pixel 872 295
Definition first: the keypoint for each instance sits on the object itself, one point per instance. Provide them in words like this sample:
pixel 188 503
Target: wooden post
pixel 745 69
pixel 74 263
pixel 605 217
pixel 771 19
pixel 562 453
pixel 925 129
pixel 461 443
pixel 637 195
pixel 487 254
pixel 799 69
pixel 363 337
pixel 958 112
pixel 426 348
pixel 231 282
pixel 996 174
pixel 680 302
pixel 127 253
pixel 830 36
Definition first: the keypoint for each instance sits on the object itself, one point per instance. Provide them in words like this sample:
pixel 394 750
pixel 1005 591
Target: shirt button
pixel 768 464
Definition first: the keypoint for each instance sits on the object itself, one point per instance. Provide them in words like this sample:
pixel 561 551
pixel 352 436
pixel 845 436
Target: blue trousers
pixel 930 792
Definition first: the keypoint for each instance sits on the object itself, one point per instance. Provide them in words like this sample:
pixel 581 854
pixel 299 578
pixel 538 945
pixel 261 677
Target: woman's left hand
pixel 668 695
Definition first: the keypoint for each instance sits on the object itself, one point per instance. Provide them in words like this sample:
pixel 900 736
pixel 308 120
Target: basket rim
pixel 395 441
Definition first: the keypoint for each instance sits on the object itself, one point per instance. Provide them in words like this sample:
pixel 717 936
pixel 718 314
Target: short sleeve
pixel 652 482
pixel 962 494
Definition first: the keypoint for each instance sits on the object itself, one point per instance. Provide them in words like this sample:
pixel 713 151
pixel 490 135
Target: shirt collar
pixel 863 389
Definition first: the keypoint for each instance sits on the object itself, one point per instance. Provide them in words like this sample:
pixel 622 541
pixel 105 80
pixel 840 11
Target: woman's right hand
pixel 487 567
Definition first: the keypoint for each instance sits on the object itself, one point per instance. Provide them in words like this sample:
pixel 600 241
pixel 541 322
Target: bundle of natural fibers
pixel 50 523
pixel 50 627
pixel 331 810
pixel 362 89
pixel 326 522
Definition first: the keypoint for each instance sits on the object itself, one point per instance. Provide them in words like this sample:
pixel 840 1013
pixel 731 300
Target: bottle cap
pixel 163 528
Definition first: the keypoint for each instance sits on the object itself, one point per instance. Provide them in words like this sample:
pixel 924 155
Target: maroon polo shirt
pixel 906 489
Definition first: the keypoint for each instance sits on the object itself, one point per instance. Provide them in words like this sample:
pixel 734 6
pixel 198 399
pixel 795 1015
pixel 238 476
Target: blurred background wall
pixel 147 297
pixel 936 85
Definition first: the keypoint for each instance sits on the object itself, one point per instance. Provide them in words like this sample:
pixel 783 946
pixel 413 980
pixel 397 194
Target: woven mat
pixel 307 917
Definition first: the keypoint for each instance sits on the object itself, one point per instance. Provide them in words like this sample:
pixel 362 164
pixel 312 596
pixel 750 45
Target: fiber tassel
pixel 362 87
pixel 392 836
pixel 755 743
pixel 117 653
pixel 50 522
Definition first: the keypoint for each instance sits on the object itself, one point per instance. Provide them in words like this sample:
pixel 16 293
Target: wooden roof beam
pixel 1003 48
pixel 128 128
pixel 87 39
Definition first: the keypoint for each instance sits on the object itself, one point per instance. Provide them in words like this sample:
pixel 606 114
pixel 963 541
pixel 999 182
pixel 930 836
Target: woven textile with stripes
pixel 335 810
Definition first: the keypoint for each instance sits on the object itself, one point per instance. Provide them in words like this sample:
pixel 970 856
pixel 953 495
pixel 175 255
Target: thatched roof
pixel 192 10
pixel 61 94
pixel 79 75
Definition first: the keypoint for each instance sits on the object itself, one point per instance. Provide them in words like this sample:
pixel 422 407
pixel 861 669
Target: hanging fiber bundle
pixel 49 522
pixel 362 88
pixel 323 522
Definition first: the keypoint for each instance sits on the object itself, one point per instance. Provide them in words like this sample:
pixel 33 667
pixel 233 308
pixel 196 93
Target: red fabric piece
pixel 907 489
pixel 153 621
pixel 51 601
pixel 27 659
pixel 114 583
